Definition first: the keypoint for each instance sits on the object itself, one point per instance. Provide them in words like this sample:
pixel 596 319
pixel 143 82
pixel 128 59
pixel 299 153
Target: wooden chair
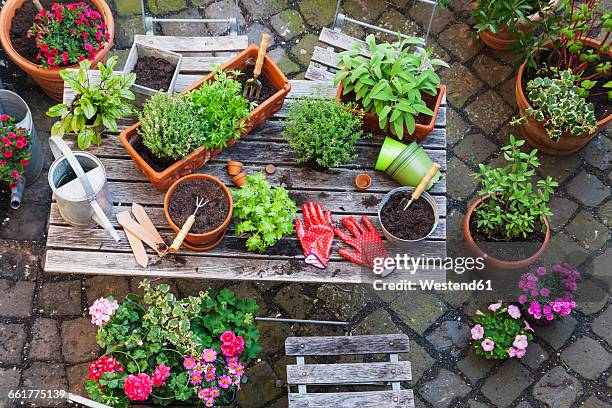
pixel 380 374
pixel 324 61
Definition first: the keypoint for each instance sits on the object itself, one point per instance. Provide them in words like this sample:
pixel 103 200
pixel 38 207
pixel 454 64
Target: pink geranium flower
pixel 161 373
pixel 477 332
pixel 228 337
pixel 138 387
pixel 488 345
pixel 102 310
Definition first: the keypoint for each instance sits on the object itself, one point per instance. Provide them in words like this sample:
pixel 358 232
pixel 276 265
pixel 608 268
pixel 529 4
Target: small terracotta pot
pixel 239 179
pixel 161 180
pixel 504 40
pixel 234 167
pixel 494 262
pixel 370 121
pixel 534 132
pixel 210 239
pixel 363 181
pixel 270 169
pixel 48 79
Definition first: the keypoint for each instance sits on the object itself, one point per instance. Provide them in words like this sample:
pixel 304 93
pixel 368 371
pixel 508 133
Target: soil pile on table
pixel 413 223
pixel 154 73
pixel 183 203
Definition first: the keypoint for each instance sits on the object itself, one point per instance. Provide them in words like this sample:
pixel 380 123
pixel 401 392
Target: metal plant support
pixel 149 21
pixel 340 19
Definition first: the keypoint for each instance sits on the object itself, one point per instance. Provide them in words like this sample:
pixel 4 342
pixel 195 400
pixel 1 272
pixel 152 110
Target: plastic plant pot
pixel 424 196
pixel 363 182
pixel 405 164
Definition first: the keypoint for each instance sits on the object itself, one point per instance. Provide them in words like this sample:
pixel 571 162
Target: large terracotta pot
pixel 162 180
pixel 490 261
pixel 535 134
pixel 48 79
pixel 370 121
pixel 209 240
pixel 504 40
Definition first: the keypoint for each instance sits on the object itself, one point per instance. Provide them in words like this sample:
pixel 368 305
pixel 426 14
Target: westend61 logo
pixel 413 264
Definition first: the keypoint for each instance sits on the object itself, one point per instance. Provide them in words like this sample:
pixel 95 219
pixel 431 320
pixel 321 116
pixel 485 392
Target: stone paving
pixel 46 341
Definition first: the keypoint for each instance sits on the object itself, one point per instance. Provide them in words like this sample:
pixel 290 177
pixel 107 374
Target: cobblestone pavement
pixel 46 341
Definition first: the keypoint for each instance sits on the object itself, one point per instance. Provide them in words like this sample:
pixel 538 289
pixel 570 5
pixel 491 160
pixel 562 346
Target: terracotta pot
pixel 504 40
pixel 48 79
pixel 494 262
pixel 161 180
pixel 210 239
pixel 370 121
pixel 535 134
pixel 234 167
pixel 239 179
pixel 363 182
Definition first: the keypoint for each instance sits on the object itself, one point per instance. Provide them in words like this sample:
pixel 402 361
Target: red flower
pixel 12 135
pixel 103 365
pixel 138 387
pixel 88 47
pixel 7 142
pixel 4 117
pixel 228 350
pixel 43 47
pixel 161 373
pixel 65 58
pixel 8 154
pixel 16 175
pixel 23 162
pixel 228 337
pixel 21 143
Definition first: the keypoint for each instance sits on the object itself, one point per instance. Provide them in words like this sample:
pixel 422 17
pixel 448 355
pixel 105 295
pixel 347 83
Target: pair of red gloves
pixel 316 234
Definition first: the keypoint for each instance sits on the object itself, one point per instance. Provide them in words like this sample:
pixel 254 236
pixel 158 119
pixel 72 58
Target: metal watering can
pixel 78 181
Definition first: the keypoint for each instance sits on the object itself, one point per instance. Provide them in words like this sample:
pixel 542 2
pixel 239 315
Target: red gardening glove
pixel 316 234
pixel 365 240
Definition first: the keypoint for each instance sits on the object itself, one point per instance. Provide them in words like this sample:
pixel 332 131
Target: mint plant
pixel 96 105
pixel 264 213
pixel 514 207
pixel 390 83
pixel 321 131
pixel 557 102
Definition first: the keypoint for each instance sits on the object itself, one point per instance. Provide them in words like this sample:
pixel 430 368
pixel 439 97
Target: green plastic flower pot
pixel 405 164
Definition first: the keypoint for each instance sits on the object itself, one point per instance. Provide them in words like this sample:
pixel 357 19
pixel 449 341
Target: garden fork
pixel 176 244
pixel 253 86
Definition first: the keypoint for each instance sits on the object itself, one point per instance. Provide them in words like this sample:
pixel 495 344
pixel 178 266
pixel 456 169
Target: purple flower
pixel 522 299
pixel 545 292
pixel 541 271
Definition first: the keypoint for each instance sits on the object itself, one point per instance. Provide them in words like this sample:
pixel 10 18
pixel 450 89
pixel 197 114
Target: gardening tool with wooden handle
pixel 421 187
pixel 178 240
pixel 253 86
pixel 127 222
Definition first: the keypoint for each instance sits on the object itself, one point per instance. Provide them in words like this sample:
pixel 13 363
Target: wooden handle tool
pixel 143 219
pixel 423 184
pixel 178 240
pixel 263 47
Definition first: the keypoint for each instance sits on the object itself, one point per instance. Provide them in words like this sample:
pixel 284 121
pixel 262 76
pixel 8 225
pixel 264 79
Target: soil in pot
pixel 413 223
pixel 500 247
pixel 23 21
pixel 154 73
pixel 267 90
pixel 156 163
pixel 602 106
pixel 183 203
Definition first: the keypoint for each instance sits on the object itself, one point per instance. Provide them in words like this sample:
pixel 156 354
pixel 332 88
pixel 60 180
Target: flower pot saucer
pixel 206 247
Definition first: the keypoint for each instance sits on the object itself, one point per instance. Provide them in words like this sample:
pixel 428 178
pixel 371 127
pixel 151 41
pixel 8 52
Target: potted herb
pixel 40 42
pixel 322 133
pixel 548 295
pixel 501 332
pixel 211 220
pixel 263 212
pixel 97 104
pixel 397 88
pixel 156 69
pixel 156 349
pixel 21 155
pixel 569 64
pixel 499 23
pixel 275 88
pixel 508 225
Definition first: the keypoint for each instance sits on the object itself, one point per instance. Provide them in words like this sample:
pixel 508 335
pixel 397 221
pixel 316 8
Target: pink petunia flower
pixel 488 345
pixel 494 306
pixel 514 311
pixel 520 341
pixel 477 332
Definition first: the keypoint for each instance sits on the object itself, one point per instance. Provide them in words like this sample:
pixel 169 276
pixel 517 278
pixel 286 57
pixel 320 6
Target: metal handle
pixel 421 187
pixel 263 47
pixel 176 244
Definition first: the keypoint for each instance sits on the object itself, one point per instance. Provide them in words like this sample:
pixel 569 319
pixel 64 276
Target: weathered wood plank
pixel 201 267
pixel 370 399
pixel 316 72
pixel 348 373
pixel 195 44
pixel 347 345
pixel 343 41
pixel 325 56
pixel 203 64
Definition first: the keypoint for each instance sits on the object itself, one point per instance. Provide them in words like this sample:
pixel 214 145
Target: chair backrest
pixel 383 373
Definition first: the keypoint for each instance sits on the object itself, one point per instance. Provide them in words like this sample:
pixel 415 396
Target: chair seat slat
pixel 349 373
pixel 346 345
pixel 370 399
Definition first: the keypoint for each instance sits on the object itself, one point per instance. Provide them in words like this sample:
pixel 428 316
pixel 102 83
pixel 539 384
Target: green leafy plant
pixel 265 213
pixel 319 130
pixel 557 102
pixel 96 105
pixel 501 332
pixel 172 125
pixel 391 81
pixel 221 109
pixel 222 311
pixel 513 207
pixel 507 15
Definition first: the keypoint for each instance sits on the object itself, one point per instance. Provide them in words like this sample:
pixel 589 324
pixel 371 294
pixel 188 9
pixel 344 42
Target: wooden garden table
pixel 93 252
